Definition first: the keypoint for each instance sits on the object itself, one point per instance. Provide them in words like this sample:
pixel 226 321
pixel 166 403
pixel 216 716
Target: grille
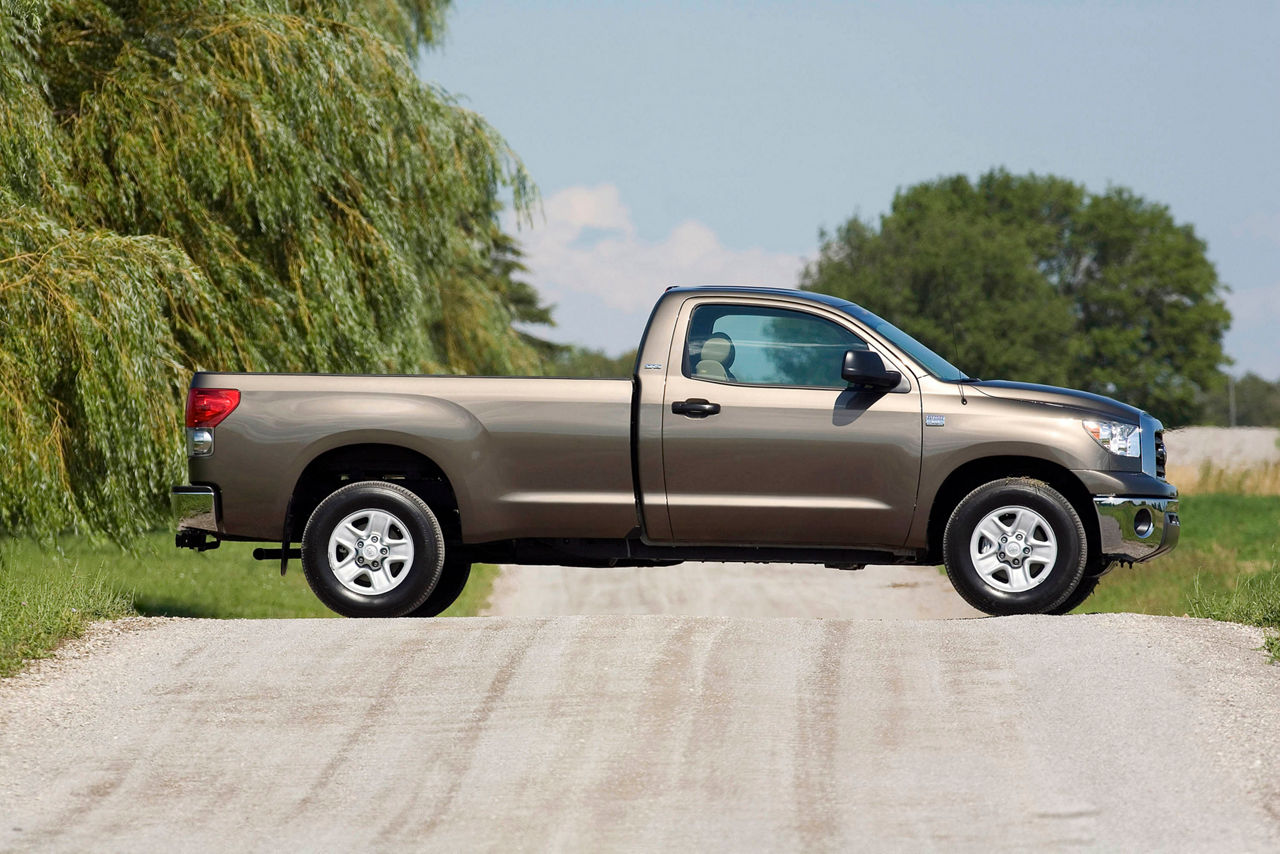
pixel 1161 456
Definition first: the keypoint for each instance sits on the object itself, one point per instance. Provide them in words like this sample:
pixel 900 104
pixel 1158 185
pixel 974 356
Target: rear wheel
pixel 453 580
pixel 1015 546
pixel 372 549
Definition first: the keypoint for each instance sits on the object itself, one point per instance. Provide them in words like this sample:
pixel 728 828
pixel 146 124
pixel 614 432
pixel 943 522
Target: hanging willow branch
pixel 246 185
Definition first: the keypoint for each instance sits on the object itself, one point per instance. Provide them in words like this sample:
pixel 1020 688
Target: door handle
pixel 695 407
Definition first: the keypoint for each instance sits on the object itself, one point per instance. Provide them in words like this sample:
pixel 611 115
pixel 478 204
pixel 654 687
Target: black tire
pixel 1082 592
pixel 1055 583
pixel 453 580
pixel 414 581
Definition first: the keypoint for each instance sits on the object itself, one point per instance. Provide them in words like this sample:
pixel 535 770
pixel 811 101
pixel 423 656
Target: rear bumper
pixel 1136 529
pixel 195 509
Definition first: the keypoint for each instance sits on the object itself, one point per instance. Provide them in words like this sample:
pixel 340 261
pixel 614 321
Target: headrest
pixel 718 348
pixel 708 368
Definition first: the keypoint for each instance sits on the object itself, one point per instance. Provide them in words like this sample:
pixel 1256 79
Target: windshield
pixel 926 358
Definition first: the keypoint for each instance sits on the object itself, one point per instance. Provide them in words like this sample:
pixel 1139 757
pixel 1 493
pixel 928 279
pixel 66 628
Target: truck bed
pixel 525 456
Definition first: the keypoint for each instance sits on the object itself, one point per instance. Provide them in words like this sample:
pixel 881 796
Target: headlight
pixel 1123 440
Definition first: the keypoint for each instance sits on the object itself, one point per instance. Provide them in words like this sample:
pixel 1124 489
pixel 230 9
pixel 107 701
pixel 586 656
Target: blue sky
pixel 685 143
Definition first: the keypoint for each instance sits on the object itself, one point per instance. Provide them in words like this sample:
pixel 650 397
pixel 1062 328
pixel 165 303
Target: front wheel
pixel 372 549
pixel 1082 592
pixel 1015 546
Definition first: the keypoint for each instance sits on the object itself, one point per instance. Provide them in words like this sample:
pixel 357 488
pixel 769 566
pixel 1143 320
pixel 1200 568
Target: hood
pixel 1054 396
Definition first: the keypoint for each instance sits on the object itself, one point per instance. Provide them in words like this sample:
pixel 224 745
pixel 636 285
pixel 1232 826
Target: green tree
pixel 1257 403
pixel 251 184
pixel 1033 278
pixel 569 361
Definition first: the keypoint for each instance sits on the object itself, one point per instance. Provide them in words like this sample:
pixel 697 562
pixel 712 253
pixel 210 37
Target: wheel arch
pixel 975 473
pixel 338 466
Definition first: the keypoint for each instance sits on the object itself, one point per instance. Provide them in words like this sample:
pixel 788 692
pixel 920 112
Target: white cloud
pixel 587 257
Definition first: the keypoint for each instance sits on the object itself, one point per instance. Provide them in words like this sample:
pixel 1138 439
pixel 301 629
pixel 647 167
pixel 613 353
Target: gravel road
pixel 591 733
pixel 729 590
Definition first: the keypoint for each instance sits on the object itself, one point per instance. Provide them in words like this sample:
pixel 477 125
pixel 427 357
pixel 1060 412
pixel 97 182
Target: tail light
pixel 206 407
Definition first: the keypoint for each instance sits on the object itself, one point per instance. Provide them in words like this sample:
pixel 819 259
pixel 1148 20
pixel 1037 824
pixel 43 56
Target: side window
pixel 766 346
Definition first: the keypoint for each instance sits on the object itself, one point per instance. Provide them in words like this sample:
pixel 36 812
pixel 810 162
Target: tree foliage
pixel 1257 403
pixel 1033 278
pixel 570 361
pixel 252 184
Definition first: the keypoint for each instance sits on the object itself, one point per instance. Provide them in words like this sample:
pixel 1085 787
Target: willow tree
pixel 242 185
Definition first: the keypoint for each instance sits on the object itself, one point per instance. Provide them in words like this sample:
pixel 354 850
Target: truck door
pixel 764 443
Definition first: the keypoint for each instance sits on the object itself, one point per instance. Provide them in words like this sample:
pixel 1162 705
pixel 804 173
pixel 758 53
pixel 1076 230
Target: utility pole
pixel 1231 399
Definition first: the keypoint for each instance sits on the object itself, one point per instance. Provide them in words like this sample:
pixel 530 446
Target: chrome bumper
pixel 195 508
pixel 1137 529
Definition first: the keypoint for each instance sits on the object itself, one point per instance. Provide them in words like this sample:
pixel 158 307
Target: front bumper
pixel 1136 529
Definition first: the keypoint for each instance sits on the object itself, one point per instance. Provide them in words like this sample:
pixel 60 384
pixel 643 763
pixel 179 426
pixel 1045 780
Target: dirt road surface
pixel 589 733
pixel 729 590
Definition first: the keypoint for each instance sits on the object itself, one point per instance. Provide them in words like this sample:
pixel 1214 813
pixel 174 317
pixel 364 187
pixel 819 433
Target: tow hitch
pixel 201 541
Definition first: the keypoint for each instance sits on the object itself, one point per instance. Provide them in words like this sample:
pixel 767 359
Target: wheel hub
pixel 370 552
pixel 1013 549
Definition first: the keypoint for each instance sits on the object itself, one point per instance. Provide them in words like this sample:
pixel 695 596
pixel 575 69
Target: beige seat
pixel 715 357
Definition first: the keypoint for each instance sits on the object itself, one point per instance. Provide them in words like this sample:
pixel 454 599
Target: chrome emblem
pixel 935 421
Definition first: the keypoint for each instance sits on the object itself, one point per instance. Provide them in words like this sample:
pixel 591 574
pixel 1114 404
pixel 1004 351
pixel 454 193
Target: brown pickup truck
pixel 759 425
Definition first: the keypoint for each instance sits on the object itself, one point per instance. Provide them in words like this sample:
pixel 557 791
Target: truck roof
pixel 792 293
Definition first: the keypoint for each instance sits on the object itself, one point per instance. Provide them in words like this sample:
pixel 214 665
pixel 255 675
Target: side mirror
pixel 865 368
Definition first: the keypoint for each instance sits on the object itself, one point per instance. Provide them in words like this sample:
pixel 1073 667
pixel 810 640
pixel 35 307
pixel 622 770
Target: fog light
pixel 1142 524
pixel 199 442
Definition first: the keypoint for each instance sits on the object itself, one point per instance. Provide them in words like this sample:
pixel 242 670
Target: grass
pixel 161 580
pixel 1226 566
pixel 1256 601
pixel 475 598
pixel 1262 479
pixel 38 611
pixel 48 594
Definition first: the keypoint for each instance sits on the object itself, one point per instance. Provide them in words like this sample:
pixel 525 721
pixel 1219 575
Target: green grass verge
pixel 1256 601
pixel 475 598
pixel 1226 567
pixel 50 593
pixel 39 610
